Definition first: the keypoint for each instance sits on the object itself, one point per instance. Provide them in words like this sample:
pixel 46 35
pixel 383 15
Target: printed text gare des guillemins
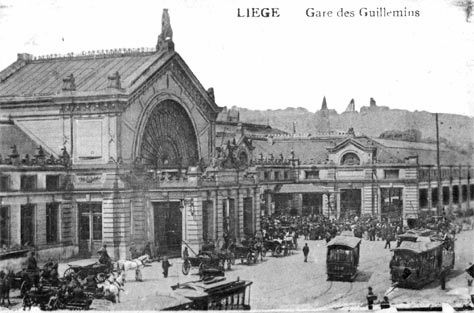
pixel 341 12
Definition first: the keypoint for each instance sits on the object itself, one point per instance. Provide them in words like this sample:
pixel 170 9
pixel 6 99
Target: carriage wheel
pixel 100 277
pixel 229 262
pixel 201 268
pixel 186 267
pixel 277 250
pixel 68 272
pixel 249 258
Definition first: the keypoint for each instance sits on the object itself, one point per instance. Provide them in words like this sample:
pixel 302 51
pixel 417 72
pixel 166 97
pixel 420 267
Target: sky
pixel 414 63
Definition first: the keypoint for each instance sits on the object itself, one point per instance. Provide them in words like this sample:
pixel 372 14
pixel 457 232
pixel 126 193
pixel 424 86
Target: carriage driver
pixel 104 257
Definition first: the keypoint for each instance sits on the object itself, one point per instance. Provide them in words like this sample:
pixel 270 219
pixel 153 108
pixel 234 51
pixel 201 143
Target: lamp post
pixel 439 206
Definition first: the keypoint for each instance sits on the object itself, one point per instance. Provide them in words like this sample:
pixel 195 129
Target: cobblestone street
pixel 289 283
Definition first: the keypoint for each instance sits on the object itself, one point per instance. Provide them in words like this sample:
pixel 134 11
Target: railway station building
pixel 118 147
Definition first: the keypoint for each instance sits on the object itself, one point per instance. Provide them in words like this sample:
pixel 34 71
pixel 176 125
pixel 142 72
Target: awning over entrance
pixel 299 188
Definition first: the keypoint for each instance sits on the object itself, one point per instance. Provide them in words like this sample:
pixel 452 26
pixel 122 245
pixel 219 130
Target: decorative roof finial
pixel 114 81
pixel 372 102
pixel 165 39
pixel 324 106
pixel 69 83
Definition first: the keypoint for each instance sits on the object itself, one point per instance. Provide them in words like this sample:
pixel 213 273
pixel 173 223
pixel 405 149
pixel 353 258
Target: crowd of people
pixel 318 227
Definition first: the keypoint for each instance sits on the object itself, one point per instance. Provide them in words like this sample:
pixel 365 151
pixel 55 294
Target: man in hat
pixel 371 298
pixel 165 264
pixel 305 252
pixel 104 257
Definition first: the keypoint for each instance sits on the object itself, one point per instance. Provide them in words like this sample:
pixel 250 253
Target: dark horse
pixel 5 285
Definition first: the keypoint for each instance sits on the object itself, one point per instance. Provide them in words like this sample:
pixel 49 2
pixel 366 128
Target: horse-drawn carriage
pixel 203 261
pixel 99 270
pixel 248 252
pixel 57 298
pixel 279 247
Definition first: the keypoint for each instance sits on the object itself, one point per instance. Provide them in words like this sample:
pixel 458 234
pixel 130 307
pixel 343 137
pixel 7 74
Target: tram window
pixel 340 255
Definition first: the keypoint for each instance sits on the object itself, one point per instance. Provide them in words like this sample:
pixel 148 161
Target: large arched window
pixel 350 158
pixel 243 158
pixel 169 140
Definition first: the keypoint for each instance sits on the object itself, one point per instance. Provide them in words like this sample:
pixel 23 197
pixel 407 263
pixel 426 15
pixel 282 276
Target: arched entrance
pixel 169 139
pixel 168 143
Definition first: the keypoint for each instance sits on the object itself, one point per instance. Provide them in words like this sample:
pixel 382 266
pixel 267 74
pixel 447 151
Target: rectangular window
pixel 434 197
pixel 392 174
pixel 96 209
pixel 248 217
pixel 311 174
pixel 27 224
pixel 391 202
pixel 28 182
pixel 277 175
pixel 423 198
pixel 445 195
pixel 52 182
pixel 4 226
pixel 52 210
pixel 207 220
pixel 4 182
pixel 287 175
pixel 266 175
pixel 456 194
pixel 464 193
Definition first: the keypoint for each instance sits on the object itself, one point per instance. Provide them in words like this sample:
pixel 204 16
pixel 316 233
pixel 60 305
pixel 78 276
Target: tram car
pixel 416 263
pixel 342 258
pixel 215 294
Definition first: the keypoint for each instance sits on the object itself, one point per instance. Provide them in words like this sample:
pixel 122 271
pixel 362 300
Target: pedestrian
pixel 165 264
pixel 371 298
pixel 388 238
pixel 185 253
pixel 442 278
pixel 306 252
pixel 385 304
pixel 138 274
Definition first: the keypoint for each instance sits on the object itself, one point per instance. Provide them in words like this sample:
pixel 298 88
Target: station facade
pixel 117 147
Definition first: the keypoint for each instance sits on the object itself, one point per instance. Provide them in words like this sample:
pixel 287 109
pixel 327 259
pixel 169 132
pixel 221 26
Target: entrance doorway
pixel 90 227
pixel 312 203
pixel 351 201
pixel 168 228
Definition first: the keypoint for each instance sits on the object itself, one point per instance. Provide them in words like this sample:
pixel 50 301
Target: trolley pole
pixel 440 187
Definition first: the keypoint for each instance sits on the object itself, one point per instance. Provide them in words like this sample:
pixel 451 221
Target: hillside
pixel 456 130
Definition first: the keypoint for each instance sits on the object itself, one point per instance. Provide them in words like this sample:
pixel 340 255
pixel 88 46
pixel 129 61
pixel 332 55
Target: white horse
pixel 135 264
pixel 112 287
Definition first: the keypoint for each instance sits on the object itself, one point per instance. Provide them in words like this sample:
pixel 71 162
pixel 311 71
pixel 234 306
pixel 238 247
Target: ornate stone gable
pixel 180 72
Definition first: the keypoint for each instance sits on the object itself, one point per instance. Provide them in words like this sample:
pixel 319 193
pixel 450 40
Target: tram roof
pixel 347 241
pixel 417 247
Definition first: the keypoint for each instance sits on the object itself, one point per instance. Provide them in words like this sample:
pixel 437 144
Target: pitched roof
pixel 10 135
pixel 44 77
pixel 308 151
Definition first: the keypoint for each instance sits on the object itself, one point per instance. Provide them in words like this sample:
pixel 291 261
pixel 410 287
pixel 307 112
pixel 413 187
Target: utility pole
pixel 440 187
